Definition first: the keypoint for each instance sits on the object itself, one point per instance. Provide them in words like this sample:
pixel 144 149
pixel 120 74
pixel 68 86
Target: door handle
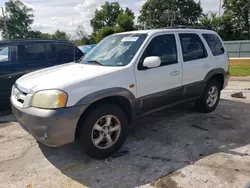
pixel 175 73
pixel 206 66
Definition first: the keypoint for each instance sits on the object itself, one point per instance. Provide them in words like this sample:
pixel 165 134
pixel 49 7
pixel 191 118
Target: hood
pixel 58 76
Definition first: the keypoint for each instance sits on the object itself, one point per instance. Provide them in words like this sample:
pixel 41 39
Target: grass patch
pixel 240 70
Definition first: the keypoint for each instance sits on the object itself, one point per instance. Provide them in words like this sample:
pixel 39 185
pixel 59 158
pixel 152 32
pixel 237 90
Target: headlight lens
pixel 50 99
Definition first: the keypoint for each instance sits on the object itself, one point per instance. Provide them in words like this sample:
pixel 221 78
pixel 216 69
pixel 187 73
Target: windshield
pixel 115 50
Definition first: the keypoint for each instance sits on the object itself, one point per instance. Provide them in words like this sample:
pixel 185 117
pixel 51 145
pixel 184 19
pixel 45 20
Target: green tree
pixel 60 35
pixel 106 31
pixel 240 11
pixel 83 37
pixel 106 16
pixel 126 21
pixel 226 28
pixel 111 17
pixel 152 13
pixel 18 18
pixel 38 35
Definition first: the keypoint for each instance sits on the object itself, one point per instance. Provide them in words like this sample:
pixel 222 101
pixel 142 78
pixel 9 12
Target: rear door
pixel 32 57
pixel 196 63
pixel 9 72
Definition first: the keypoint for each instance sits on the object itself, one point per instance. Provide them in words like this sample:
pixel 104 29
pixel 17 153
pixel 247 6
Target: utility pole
pixel 5 25
pixel 219 16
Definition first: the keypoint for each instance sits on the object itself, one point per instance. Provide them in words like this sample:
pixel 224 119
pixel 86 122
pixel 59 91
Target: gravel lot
pixel 172 148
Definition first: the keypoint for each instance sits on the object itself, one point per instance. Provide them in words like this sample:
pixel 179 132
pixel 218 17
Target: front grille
pixel 20 100
pixel 19 95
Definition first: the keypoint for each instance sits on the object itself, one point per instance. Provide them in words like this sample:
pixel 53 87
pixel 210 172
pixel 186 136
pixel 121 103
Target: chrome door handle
pixel 206 66
pixel 175 73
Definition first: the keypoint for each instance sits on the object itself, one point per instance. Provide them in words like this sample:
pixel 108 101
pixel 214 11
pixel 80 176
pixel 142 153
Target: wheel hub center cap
pixel 106 131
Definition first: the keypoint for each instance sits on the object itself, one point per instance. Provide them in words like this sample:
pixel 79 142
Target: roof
pixel 30 41
pixel 153 31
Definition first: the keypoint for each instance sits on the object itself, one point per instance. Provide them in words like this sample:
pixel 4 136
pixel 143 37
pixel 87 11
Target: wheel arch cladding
pixel 217 74
pixel 119 96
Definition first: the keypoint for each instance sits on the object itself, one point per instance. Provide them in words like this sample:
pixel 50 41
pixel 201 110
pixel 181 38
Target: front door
pixel 160 86
pixel 9 72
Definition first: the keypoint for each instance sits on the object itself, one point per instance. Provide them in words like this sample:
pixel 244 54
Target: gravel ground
pixel 172 148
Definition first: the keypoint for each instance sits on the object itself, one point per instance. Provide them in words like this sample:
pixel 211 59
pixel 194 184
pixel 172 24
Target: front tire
pixel 104 131
pixel 210 97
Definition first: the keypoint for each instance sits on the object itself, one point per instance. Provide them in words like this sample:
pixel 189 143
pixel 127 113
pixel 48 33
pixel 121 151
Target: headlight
pixel 50 99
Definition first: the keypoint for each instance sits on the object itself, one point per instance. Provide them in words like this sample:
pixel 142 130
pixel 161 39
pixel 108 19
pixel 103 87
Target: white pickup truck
pixel 125 76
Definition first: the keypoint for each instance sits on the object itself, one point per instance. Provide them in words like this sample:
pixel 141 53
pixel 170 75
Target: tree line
pixel 233 24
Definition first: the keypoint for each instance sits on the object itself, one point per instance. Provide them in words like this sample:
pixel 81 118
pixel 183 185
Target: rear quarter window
pixel 214 44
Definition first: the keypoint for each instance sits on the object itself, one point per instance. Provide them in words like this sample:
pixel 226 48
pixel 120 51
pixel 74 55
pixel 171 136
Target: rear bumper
pixel 50 127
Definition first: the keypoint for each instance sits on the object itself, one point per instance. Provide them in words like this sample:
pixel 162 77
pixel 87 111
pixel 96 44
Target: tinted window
pixel 33 52
pixel 50 48
pixel 8 54
pixel 215 44
pixel 65 53
pixel 164 47
pixel 78 53
pixel 192 47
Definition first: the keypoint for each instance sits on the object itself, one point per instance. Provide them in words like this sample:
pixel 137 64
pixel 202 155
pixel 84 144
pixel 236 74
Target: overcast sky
pixel 67 14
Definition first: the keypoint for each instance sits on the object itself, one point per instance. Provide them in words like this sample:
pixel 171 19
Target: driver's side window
pixel 163 46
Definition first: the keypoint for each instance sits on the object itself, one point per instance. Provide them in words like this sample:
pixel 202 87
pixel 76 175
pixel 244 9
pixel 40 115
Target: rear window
pixel 214 44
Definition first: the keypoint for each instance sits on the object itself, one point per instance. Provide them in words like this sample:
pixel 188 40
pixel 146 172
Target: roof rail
pixel 187 27
pixel 33 39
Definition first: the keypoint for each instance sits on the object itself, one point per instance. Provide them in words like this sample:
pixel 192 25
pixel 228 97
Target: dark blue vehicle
pixel 19 57
pixel 86 48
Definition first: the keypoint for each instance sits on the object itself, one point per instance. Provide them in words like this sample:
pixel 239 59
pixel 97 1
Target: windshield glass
pixel 115 50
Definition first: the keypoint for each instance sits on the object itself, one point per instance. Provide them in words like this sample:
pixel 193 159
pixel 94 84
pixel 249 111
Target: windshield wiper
pixel 95 62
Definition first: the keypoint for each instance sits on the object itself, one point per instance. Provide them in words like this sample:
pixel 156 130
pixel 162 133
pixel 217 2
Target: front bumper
pixel 50 127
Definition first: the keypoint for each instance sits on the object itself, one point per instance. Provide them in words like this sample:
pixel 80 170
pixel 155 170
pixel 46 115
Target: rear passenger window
pixel 164 47
pixel 192 47
pixel 34 52
pixel 214 43
pixel 65 53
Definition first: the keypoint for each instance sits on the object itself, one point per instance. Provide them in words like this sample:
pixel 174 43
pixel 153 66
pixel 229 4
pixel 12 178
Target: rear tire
pixel 209 98
pixel 104 131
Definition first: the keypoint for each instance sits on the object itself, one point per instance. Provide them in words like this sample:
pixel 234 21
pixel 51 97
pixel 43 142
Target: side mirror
pixel 152 62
